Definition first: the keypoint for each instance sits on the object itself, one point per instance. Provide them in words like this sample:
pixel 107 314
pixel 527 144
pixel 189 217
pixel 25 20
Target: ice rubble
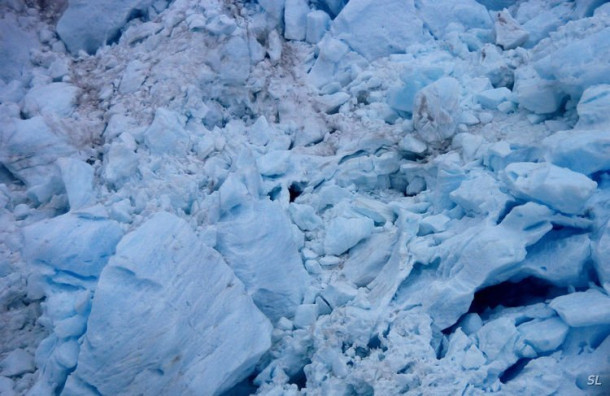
pixel 292 197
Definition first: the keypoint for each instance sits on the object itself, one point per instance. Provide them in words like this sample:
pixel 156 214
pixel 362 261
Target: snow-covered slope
pixel 289 197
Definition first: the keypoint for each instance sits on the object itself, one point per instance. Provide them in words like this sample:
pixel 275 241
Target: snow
pixel 290 197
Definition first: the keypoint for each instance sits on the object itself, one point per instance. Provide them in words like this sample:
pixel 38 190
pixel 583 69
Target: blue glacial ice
pixel 304 197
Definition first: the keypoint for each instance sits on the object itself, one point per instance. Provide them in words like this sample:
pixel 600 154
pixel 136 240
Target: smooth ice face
pixel 171 317
pixel 87 25
pixel 378 28
pixel 72 243
pixel 259 244
pixel 559 188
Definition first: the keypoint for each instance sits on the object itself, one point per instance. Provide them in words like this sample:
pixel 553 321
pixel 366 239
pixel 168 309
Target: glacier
pixel 304 197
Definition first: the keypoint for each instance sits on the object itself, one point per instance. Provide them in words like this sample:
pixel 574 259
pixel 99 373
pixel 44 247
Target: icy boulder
pixel 436 110
pixel 295 19
pixel 509 34
pixel 580 309
pixel 585 151
pixel 559 188
pixel 579 64
pixel 166 134
pixel 344 233
pixel 78 181
pixel 168 317
pixel 15 46
pixel 258 242
pixel 56 98
pixel 72 243
pixel 376 28
pixel 441 16
pixel 28 149
pixel 88 24
pixel 593 107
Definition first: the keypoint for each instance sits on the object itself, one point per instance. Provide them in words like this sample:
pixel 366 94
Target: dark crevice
pixel 528 291
pixel 275 193
pixel 299 379
pixel 513 371
pixel 295 190
pixel 245 387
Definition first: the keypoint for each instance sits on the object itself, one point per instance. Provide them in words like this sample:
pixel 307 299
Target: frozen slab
pixel 509 34
pixel 593 107
pixel 72 243
pixel 17 362
pixel 15 45
pixel 366 260
pixel 166 134
pixel 581 150
pixel 580 309
pixel 87 25
pixel 436 110
pixel 544 335
pixel 318 23
pixel 358 25
pixel 559 188
pixel 29 150
pixel 344 233
pixel 168 316
pixel 56 98
pixel 78 181
pixel 579 64
pixel 491 98
pixel 258 243
pixel 295 19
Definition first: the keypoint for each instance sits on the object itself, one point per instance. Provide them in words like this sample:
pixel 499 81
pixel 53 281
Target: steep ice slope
pixel 283 197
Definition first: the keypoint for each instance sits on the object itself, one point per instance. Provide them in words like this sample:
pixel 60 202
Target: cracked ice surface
pixel 292 197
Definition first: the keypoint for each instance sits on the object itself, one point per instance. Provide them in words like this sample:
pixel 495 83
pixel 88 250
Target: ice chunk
pixel 359 24
pixel 585 151
pixel 559 188
pixel 443 16
pixel 433 224
pixel 534 93
pixel 491 98
pixel 232 193
pixel 28 150
pixel 304 216
pixel 435 111
pixel 366 260
pixel 593 107
pixel 318 23
pixel 133 77
pixel 17 362
pixel 56 98
pixel 601 255
pixel 72 243
pixel 305 315
pixel 509 34
pixel 560 259
pixel 265 256
pixel 87 25
pixel 329 104
pixel 295 19
pixel 15 46
pixel 344 233
pixel 78 181
pixel 274 163
pixel 120 163
pixel 544 335
pixel 579 64
pixel 166 134
pixel 580 309
pixel 164 288
pixel 275 8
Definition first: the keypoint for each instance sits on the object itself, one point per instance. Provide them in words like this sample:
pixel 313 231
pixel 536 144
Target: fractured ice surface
pixel 290 197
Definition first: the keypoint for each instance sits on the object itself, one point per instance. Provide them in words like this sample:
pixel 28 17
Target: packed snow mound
pixel 290 197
